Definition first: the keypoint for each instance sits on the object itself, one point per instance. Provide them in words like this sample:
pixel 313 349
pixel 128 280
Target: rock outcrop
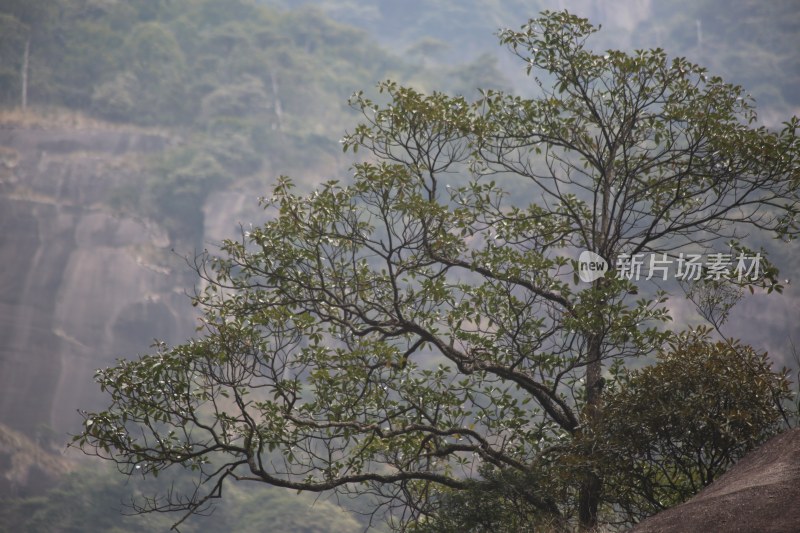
pixel 80 284
pixel 759 494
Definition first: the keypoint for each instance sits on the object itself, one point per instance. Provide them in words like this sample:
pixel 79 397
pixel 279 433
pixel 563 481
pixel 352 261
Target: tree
pixel 667 431
pixel 157 66
pixel 23 22
pixel 398 335
pixel 12 37
pixel 673 428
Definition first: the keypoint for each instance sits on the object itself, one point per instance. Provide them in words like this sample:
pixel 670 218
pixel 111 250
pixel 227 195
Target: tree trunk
pixel 589 495
pixel 25 56
pixel 591 486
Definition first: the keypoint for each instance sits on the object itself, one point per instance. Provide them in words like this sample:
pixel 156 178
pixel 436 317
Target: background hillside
pixel 135 133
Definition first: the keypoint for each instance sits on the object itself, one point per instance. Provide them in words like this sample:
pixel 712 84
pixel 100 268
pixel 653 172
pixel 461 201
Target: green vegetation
pixel 195 62
pixel 750 41
pixel 152 62
pixel 667 431
pixel 672 428
pixel 248 88
pixel 92 500
pixel 420 330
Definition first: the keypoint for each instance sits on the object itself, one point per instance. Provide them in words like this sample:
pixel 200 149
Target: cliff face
pixel 80 285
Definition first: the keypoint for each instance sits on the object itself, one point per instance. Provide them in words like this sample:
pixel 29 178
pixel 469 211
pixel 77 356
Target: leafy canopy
pixel 402 333
pixel 674 427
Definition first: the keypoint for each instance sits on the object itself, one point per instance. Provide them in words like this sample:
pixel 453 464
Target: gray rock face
pixel 80 285
pixel 758 494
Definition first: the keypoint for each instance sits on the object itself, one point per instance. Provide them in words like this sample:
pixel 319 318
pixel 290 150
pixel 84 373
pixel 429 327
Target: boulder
pixel 759 494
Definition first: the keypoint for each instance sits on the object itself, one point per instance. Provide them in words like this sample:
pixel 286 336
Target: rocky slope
pixel 757 495
pixel 80 284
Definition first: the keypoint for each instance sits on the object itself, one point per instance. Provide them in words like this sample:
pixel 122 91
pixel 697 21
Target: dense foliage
pixel 747 42
pixel 667 431
pixel 156 62
pixel 246 88
pixel 673 428
pixel 403 333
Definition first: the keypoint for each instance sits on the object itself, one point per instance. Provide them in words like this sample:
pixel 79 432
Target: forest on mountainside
pixel 188 63
pixel 257 89
pixel 250 89
pixel 747 42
